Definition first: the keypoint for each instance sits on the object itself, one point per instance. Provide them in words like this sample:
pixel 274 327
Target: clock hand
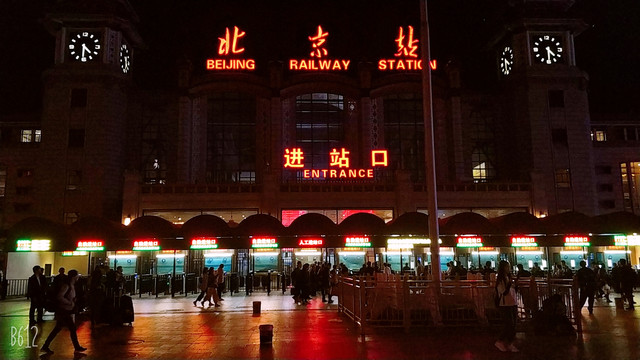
pixel 84 47
pixel 550 53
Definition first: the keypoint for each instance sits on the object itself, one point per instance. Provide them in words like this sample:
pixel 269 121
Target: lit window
pixel 27 136
pixel 482 168
pixel 563 178
pixel 601 135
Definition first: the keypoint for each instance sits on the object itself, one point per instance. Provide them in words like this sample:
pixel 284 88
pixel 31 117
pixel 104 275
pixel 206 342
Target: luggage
pixel 126 309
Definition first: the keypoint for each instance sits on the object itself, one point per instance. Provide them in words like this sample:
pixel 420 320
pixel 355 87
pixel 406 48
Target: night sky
pixel 360 30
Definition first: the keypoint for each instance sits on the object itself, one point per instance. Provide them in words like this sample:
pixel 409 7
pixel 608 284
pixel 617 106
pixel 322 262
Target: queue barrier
pixel 409 301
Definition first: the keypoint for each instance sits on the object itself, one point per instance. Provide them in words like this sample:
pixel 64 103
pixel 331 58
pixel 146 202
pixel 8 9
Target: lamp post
pixel 429 149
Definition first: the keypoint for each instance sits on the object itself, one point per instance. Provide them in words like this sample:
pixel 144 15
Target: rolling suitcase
pixel 125 310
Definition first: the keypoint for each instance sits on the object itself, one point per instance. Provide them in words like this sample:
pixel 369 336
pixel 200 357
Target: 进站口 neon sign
pixel 228 46
pixel 318 60
pixel 338 161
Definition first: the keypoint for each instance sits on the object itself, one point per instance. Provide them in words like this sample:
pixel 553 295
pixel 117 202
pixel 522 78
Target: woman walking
pixel 506 292
pixel 212 291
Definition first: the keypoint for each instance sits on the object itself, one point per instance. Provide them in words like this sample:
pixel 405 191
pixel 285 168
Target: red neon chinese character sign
pixel 227 43
pixel 317 41
pixel 310 242
pixel 408 49
pixel 339 159
pixel 293 158
pixel 379 158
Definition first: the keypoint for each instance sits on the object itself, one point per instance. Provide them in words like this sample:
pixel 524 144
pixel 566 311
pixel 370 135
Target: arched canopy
pixel 518 223
pixel 312 225
pixel 92 228
pixel 411 223
pixel 466 223
pixel 207 226
pixel 363 224
pixel 568 223
pixel 620 222
pixel 260 226
pixel 54 236
pixel 153 227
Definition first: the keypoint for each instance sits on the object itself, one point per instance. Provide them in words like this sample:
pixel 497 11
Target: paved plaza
pixel 172 328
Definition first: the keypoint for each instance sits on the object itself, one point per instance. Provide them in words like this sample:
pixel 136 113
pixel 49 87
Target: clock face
pixel 547 49
pixel 84 46
pixel 125 58
pixel 506 60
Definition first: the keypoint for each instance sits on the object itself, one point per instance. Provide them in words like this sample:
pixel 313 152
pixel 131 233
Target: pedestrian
pixel 627 282
pixel 65 307
pixel 212 289
pixel 522 273
pixel 59 279
pixel 325 281
pixel 587 284
pixel 36 292
pixel 203 286
pixel 506 292
pixel 96 296
pixel 304 285
pixel 220 281
pixel 333 280
pixel 419 269
pixel 603 281
pixel 295 287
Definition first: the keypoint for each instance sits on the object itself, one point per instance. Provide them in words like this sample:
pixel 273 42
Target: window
pixel 603 170
pixel 556 98
pixel 605 188
pixel 404 133
pixel 71 217
pixel 559 136
pixel 74 178
pixel 607 204
pixel 319 127
pixel 563 178
pixel 598 135
pixel 30 136
pixel 630 176
pixel 25 173
pixel 78 98
pixel 482 168
pixel 3 180
pixel 231 138
pixel 76 138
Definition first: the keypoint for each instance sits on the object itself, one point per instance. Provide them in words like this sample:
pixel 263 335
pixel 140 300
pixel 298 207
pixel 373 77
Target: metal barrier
pixel 404 301
pixel 17 287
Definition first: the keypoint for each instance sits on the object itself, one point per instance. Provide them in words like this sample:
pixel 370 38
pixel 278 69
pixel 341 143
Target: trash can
pixel 256 307
pixel 266 334
pixel 619 303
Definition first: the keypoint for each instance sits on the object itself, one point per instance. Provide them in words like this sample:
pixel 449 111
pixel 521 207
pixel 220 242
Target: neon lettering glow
pixel 74 253
pixel 576 241
pixel 204 243
pixel 228 46
pixel 379 158
pixel 90 245
pixel 406 55
pixel 318 52
pixel 311 242
pixel 293 158
pixel 633 240
pixel 263 242
pixel 433 64
pixel 520 241
pixel 469 241
pixel 339 159
pixel 33 245
pixel 357 241
pixel 408 50
pixel 146 245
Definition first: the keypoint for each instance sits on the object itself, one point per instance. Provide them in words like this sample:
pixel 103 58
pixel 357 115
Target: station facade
pixel 312 132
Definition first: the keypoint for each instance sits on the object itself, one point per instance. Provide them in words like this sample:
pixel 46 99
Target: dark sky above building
pixel 361 30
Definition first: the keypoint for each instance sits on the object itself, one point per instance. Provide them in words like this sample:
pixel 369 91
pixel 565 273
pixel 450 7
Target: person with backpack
pixel 36 292
pixel 65 307
pixel 506 303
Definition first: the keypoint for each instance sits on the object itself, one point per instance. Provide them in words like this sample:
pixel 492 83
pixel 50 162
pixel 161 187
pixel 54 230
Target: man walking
pixel 36 292
pixel 587 283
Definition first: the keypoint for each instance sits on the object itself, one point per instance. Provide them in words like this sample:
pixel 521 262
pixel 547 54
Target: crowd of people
pixel 309 279
pixel 211 286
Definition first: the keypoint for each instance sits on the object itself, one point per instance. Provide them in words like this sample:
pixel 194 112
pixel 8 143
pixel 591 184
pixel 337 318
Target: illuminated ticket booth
pixel 80 258
pixel 468 253
pixel 447 255
pixel 309 250
pixel 575 250
pixel 169 260
pixel 528 252
pixel 125 258
pixel 265 254
pixel 622 249
pixel 139 259
pixel 480 256
pixel 213 255
pixel 400 251
pixel 30 252
pixel 356 252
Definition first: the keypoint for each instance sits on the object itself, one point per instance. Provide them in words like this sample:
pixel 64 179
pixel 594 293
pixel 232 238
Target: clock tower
pixel 547 105
pixel 85 100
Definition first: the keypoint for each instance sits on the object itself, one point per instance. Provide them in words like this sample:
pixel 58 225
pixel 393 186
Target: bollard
pixel 256 308
pixel 266 335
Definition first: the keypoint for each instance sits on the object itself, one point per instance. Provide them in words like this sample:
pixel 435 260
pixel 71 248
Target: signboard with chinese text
pixel 357 241
pixel 407 56
pixel 469 241
pixel 201 243
pixel 228 46
pixel 523 241
pixel 318 60
pixel 263 242
pixel 74 253
pixel 339 163
pixel 627 240
pixel 33 245
pixel 315 242
pixel 576 241
pixel 90 245
pixel 146 245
